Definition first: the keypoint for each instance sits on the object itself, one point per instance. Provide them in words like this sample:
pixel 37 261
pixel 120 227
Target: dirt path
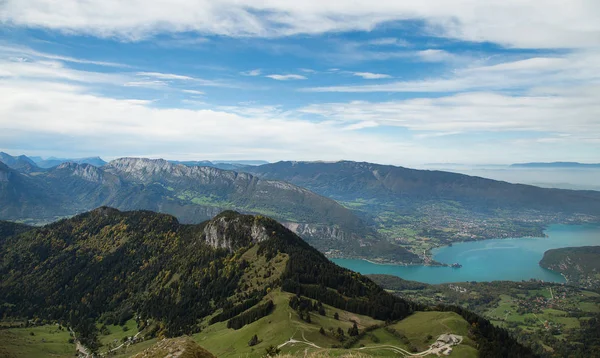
pixel 80 348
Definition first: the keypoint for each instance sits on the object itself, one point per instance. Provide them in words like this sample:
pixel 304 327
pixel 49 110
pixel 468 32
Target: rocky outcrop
pixel 231 231
pixel 86 172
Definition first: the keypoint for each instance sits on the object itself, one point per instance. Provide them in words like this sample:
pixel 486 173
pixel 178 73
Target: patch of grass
pixel 589 307
pixel 116 334
pixel 46 341
pixel 277 328
pixel 421 324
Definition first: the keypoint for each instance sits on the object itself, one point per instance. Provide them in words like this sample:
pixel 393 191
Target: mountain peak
pixel 85 171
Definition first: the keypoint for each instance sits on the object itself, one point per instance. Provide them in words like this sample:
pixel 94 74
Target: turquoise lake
pixel 489 260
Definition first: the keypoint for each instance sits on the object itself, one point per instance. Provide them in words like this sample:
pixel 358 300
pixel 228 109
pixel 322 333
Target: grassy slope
pixel 276 329
pixel 284 323
pixel 47 341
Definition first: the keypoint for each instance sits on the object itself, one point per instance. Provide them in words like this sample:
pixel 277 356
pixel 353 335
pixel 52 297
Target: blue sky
pixel 387 81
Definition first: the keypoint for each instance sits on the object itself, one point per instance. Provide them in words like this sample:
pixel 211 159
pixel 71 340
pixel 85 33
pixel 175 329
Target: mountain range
pixel 223 282
pixel 347 209
pixel 557 165
pixel 408 204
pixel 192 194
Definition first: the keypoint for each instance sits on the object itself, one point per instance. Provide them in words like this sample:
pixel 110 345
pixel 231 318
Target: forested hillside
pixel 579 265
pixel 108 267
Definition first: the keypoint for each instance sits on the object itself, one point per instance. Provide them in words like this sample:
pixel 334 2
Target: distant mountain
pixel 20 163
pixel 579 265
pixel 222 164
pixel 53 162
pixel 436 204
pixel 223 281
pixel 193 194
pixel 573 165
pixel 208 163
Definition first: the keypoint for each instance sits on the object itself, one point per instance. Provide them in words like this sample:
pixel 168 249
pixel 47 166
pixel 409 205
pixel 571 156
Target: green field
pixel 46 341
pixel 420 330
pixel 284 323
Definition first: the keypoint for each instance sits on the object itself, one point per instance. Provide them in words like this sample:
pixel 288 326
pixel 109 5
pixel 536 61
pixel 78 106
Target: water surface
pixel 490 260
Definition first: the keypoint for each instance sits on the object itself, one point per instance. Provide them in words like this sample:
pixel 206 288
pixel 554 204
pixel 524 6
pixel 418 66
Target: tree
pixel 322 331
pixel 253 341
pixel 353 331
pixel 336 316
pixel 272 351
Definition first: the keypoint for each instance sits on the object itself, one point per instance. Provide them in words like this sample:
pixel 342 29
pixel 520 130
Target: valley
pixel 423 209
pixel 554 319
pixel 514 259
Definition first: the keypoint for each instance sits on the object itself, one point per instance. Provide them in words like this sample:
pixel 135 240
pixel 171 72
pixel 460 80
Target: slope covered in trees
pixel 109 266
pixel 580 265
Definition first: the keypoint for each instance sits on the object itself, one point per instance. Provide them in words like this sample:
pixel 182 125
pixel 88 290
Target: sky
pixel 394 82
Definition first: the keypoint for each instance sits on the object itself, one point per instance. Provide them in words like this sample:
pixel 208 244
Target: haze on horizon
pixel 387 82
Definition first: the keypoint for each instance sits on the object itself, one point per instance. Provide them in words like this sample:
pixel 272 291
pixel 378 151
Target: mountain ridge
pixel 193 194
pixel 172 279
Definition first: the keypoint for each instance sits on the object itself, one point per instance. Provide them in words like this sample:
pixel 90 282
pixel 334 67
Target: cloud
pixel 253 73
pixel 572 114
pixel 165 76
pixel 146 84
pixel 175 77
pixel 24 52
pixel 69 119
pixel 434 55
pixel 192 92
pixel 286 77
pixel 571 69
pixel 389 41
pixel 371 76
pixel 512 23
pixel 40 68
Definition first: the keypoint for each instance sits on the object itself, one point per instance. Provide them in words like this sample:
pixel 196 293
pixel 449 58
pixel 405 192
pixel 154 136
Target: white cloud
pixel 572 69
pixel 75 120
pixel 286 77
pixel 571 114
pixel 192 91
pixel 371 76
pixel 389 41
pixel 513 23
pixel 255 72
pixel 56 70
pixel 146 84
pixel 434 55
pixel 24 52
pixel 165 76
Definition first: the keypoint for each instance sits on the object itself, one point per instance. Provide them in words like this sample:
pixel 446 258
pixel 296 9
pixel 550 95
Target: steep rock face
pixel 231 231
pixel 84 171
pixel 311 231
